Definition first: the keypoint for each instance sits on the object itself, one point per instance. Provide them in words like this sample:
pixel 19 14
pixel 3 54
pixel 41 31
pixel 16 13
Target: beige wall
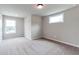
pixel 27 26
pixel 36 27
pixel 68 31
pixel 0 27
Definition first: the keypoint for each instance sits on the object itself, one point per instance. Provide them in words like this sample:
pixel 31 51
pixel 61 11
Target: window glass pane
pixel 10 26
pixel 56 19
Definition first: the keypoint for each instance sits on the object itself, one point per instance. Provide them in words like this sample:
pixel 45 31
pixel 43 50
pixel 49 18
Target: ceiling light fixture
pixel 39 6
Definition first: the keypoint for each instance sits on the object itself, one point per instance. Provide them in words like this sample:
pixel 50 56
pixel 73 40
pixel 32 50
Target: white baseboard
pixel 67 43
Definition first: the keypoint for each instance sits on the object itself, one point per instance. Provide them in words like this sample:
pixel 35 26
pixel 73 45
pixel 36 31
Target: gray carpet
pixel 22 46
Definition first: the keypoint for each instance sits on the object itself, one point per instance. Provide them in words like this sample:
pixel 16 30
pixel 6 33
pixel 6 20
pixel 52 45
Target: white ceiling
pixel 21 10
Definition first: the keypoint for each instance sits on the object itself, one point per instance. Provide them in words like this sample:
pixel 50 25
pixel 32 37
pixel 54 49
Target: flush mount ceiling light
pixel 39 6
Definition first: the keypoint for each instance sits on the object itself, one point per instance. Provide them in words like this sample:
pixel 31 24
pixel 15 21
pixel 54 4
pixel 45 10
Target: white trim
pixel 63 42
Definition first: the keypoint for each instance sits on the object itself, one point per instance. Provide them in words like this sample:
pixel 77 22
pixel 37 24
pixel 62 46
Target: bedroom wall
pixel 27 26
pixel 19 27
pixel 67 32
pixel 0 27
pixel 36 27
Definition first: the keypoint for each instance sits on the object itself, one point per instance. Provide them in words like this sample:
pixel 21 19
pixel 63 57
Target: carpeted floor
pixel 22 46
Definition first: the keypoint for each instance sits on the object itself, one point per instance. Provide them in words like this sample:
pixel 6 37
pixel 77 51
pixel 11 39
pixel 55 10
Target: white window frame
pixel 54 19
pixel 10 24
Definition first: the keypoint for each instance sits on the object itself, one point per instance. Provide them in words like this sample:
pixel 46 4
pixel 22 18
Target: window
pixel 56 19
pixel 10 26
